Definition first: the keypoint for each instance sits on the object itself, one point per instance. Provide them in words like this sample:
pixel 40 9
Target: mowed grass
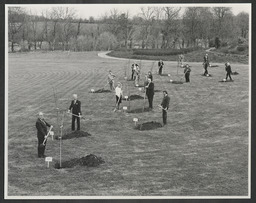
pixel 203 151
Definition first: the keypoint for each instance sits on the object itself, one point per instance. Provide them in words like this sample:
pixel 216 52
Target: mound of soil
pixel 207 76
pixel 140 110
pixel 213 66
pixel 148 126
pixel 165 74
pixel 234 73
pixel 176 82
pixel 157 90
pixel 134 97
pixel 75 134
pixel 102 91
pixel 90 160
pixel 226 81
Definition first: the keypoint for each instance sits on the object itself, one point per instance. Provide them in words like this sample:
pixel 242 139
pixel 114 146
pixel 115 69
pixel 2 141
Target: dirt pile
pixel 90 160
pixel 102 91
pixel 75 134
pixel 140 110
pixel 234 73
pixel 209 75
pixel 164 74
pixel 134 97
pixel 176 82
pixel 148 126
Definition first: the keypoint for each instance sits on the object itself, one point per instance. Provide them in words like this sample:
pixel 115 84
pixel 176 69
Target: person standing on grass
pixel 181 60
pixel 41 126
pixel 228 70
pixel 137 76
pixel 134 66
pixel 160 66
pixel 75 106
pixel 150 93
pixel 119 95
pixel 111 81
pixel 187 71
pixel 165 106
pixel 150 75
pixel 206 64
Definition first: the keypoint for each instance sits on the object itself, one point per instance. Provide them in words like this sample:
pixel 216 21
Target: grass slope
pixel 202 151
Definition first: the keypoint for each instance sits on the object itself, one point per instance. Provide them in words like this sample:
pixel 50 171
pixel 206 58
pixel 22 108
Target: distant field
pixel 193 56
pixel 203 151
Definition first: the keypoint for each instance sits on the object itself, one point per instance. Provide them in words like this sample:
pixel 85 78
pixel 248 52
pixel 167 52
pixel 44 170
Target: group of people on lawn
pixel 75 106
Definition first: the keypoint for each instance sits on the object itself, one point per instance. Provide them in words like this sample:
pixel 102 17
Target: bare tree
pixel 169 31
pixel 16 19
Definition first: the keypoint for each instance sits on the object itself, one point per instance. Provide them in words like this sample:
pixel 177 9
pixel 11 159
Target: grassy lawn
pixel 202 151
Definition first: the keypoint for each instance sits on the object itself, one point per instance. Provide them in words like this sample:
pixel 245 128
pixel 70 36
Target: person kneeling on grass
pixel 229 71
pixel 119 95
pixel 187 71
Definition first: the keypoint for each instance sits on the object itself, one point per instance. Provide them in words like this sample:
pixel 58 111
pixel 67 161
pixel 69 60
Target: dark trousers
pixel 160 70
pixel 41 147
pixel 228 75
pixel 77 119
pixel 187 77
pixel 132 75
pixel 118 101
pixel 164 116
pixel 150 101
pixel 205 69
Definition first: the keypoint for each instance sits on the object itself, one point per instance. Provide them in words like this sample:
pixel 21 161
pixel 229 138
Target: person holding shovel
pixel 134 66
pixel 165 106
pixel 187 71
pixel 206 64
pixel 119 95
pixel 160 66
pixel 75 106
pixel 150 93
pixel 111 82
pixel 41 126
pixel 228 70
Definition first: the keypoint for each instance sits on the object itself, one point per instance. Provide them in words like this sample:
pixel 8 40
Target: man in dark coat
pixel 165 106
pixel 150 93
pixel 229 71
pixel 160 66
pixel 187 71
pixel 76 110
pixel 206 64
pixel 41 126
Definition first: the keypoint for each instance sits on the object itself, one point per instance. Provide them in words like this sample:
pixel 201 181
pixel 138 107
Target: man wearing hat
pixel 76 111
pixel 41 126
pixel 229 71
pixel 206 64
pixel 150 93
pixel 187 71
pixel 165 106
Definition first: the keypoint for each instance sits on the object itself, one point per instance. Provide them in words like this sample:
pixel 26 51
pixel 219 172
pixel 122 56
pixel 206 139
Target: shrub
pixel 241 48
pixel 163 52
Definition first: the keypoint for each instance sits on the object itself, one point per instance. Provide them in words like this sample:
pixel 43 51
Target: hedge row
pixel 163 52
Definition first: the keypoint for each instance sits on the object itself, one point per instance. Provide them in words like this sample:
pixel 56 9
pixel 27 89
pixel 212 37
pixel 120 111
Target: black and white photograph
pixel 128 101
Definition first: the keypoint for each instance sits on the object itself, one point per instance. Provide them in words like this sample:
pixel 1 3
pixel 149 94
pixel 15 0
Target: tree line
pixel 152 28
